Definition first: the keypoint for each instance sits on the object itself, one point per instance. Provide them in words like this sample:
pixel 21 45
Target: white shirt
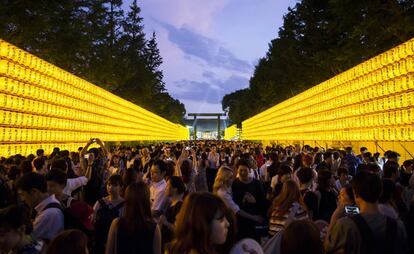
pixel 74 183
pixel 157 194
pixel 228 199
pixel 49 222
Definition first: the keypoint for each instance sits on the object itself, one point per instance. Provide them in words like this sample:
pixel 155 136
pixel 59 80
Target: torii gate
pixel 206 114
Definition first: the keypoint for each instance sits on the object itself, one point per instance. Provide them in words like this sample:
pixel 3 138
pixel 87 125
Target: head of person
pixel 284 173
pixel 307 160
pixel 348 150
pixel 407 166
pixel 305 176
pixel 39 164
pixel 343 174
pixel 203 223
pixel 60 163
pixel 186 170
pixel 290 194
pixel 367 187
pixel 243 169
pixel 346 195
pixel 56 181
pixel 326 180
pixel 393 156
pixel 390 170
pixel 336 155
pixel 32 188
pixel 224 178
pixel 158 170
pixel 137 207
pixel 373 168
pixel 301 236
pixel 328 156
pixel 26 166
pixel 40 152
pixel 68 242
pixel 175 187
pixel 114 185
pixel 114 161
pixel 130 176
pixel 15 224
pixel 363 150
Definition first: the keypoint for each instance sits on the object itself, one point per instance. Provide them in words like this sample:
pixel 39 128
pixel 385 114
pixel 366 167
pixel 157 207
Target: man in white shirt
pixel 157 186
pixel 49 220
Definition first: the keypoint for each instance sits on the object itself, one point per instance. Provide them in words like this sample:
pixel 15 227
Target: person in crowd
pixel 49 220
pixel 15 229
pixel 200 180
pixel 106 210
pixel 26 166
pixel 301 236
pixel 288 206
pixel 130 176
pixel 188 174
pixel 95 162
pixel 306 178
pixel 336 162
pixel 327 195
pixel 69 242
pixel 213 164
pixel 157 187
pixel 135 232
pixel 204 225
pixel 386 203
pixel 326 163
pixel 346 198
pixel 222 187
pixel 343 178
pixel 249 195
pixel 351 161
pixel 39 165
pixel 114 165
pixel 391 172
pixel 284 173
pixel 369 231
pixel 175 192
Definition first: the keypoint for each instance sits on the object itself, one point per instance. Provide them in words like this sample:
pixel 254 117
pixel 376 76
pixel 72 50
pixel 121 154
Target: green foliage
pixel 318 40
pixel 96 40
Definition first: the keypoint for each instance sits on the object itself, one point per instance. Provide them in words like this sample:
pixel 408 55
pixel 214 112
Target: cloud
pixel 207 49
pixel 210 90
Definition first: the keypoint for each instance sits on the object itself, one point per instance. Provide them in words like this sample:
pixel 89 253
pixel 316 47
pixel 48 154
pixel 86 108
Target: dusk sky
pixel 210 47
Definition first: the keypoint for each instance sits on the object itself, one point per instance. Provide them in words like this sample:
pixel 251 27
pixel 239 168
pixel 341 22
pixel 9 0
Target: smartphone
pixel 349 209
pixel 86 156
pixel 94 140
pixel 188 148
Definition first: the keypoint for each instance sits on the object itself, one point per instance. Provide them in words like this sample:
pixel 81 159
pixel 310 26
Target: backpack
pixel 374 245
pixel 73 211
pixel 103 219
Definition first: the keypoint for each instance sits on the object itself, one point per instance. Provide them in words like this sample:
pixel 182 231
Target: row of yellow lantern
pixel 51 136
pixel 7 150
pixel 359 97
pixel 231 132
pixel 388 133
pixel 39 72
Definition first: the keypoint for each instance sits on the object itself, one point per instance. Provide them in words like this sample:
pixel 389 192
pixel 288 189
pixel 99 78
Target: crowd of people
pixel 198 197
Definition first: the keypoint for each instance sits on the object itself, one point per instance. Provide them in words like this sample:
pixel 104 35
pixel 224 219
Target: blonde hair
pixel 224 176
pixel 283 202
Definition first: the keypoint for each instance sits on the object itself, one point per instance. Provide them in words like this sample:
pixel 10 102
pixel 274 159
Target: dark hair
pixel 305 175
pixel 130 176
pixel 327 155
pixel 39 162
pixel 114 180
pixel 14 172
pixel 26 166
pixel 186 170
pixel 242 162
pixel 348 149
pixel 193 224
pixel 68 242
pixel 161 165
pixel 177 182
pixel 57 175
pixel 324 178
pixel 40 152
pixel 336 155
pixel 392 155
pixel 388 190
pixel 362 149
pixel 367 185
pixel 59 163
pixel 373 167
pixel 31 181
pixel 390 168
pixel 137 208
pixel 15 216
pixel 301 236
pixel 284 170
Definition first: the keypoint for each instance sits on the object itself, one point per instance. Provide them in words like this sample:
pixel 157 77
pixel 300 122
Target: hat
pixel 82 212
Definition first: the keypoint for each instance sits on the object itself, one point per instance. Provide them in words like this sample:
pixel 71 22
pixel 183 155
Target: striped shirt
pixel 278 221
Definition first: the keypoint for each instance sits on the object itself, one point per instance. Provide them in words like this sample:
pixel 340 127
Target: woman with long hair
pixel 287 206
pixel 135 232
pixel 222 187
pixel 204 225
pixel 200 179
